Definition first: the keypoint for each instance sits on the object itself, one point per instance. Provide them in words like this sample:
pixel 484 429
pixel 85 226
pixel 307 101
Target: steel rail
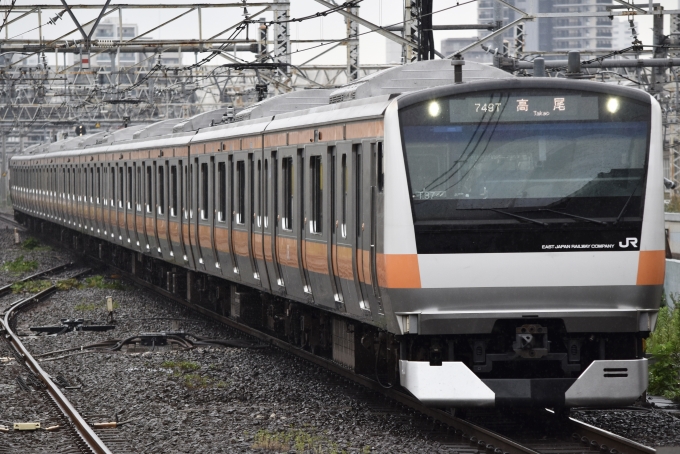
pixel 8 287
pixel 86 433
pixel 611 440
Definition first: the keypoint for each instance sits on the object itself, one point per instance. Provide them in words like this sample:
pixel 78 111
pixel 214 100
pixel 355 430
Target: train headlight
pixel 433 109
pixel 612 105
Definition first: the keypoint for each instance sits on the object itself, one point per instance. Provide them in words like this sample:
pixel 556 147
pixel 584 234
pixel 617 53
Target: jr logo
pixel 629 242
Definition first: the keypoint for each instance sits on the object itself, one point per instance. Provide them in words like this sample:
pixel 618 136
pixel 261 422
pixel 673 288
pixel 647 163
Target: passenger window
pixel 204 190
pixel 99 185
pixel 381 172
pixel 121 187
pixel 240 191
pixel 266 194
pixel 256 194
pixel 149 189
pixel 92 184
pixel 287 183
pixel 316 194
pixel 161 190
pixel 345 185
pixel 221 191
pixel 173 191
pixel 139 189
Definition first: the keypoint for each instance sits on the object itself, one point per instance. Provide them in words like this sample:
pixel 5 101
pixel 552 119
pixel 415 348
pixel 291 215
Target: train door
pixel 148 239
pixel 187 193
pixel 269 220
pixel 92 207
pixel 316 225
pixel 205 215
pixel 289 220
pixel 366 234
pixel 346 240
pixel 162 210
pixel 242 216
pixel 257 219
pixel 175 214
pixel 223 217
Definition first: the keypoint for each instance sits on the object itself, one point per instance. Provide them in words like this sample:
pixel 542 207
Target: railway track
pixel 86 440
pixel 558 436
pixel 542 433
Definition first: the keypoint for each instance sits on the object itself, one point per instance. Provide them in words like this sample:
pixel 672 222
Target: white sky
pixel 372 45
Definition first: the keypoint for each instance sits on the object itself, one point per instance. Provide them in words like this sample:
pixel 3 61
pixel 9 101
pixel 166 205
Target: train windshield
pixel 479 156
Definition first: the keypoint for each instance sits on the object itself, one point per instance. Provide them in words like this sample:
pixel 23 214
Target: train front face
pixel 529 268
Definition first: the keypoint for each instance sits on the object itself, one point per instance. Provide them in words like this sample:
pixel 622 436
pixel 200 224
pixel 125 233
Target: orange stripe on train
pixel 651 268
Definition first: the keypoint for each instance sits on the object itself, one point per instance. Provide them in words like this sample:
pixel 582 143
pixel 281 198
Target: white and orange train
pixel 493 242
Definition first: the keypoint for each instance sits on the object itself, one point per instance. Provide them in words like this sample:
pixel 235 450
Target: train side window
pixel 256 194
pixel 173 191
pixel 92 185
pixel 221 191
pixel 121 187
pixel 240 191
pixel 288 193
pixel 316 194
pixel 204 190
pixel 149 189
pixel 381 169
pixel 160 198
pixel 265 213
pixel 345 186
pixel 86 187
pixel 139 189
pixel 99 184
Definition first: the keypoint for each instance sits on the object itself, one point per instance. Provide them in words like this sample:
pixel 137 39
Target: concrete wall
pixel 672 284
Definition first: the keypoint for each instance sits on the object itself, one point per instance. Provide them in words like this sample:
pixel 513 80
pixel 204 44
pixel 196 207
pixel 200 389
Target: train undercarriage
pixel 520 363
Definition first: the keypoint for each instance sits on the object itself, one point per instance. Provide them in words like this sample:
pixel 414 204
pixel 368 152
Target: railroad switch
pixel 68 325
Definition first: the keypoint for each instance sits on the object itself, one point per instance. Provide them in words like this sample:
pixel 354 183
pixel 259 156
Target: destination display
pixel 525 108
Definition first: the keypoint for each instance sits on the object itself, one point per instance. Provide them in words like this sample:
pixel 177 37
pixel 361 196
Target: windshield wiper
pixel 507 213
pixel 573 216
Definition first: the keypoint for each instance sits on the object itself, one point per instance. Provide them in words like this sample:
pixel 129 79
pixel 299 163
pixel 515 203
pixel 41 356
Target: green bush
pixel 30 244
pixel 664 345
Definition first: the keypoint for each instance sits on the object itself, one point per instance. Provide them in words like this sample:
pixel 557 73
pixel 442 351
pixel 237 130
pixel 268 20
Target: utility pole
pixel 3 175
pixel 281 53
pixel 352 45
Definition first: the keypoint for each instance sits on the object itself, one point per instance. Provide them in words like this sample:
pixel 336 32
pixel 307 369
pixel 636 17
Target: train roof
pixel 364 98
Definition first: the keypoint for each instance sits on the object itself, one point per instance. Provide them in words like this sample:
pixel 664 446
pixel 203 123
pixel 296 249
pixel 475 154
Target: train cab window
pixel 204 190
pixel 287 189
pixel 265 212
pixel 221 191
pixel 139 189
pixel 240 191
pixel 149 190
pixel 160 198
pixel 345 185
pixel 316 194
pixel 173 191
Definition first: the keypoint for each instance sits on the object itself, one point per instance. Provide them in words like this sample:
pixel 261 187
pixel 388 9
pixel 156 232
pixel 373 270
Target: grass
pixel 68 284
pixel 19 265
pixel 89 307
pixel 664 345
pixel 31 244
pixel 300 440
pixel 181 366
pixel 101 282
pixel 33 286
pixel 191 380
